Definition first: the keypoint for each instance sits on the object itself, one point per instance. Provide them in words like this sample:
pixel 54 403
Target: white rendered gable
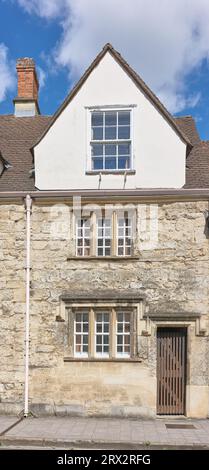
pixel 62 156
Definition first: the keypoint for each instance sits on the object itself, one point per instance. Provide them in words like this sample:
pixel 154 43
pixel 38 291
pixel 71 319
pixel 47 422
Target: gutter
pixel 28 205
pixel 193 193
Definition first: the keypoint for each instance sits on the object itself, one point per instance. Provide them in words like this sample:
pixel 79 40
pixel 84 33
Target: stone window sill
pixel 99 359
pixel 103 258
pixel 111 172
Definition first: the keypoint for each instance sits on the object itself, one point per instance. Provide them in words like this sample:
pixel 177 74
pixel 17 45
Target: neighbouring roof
pixel 187 125
pixel 197 166
pixel 137 80
pixel 17 135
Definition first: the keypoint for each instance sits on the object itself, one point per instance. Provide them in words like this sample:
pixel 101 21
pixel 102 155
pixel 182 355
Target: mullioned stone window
pixel 101 333
pixel 105 235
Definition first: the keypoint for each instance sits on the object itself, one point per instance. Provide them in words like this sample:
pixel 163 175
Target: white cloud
pixel 41 76
pixel 164 41
pixel 7 73
pixel 43 8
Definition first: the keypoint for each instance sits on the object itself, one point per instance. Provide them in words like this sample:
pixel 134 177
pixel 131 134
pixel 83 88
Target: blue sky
pixel 167 45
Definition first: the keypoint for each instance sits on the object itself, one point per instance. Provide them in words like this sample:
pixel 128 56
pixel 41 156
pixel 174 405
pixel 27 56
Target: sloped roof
pixel 17 136
pixel 188 126
pixel 137 80
pixel 197 166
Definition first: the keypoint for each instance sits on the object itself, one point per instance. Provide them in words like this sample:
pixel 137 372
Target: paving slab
pixel 7 421
pixel 77 431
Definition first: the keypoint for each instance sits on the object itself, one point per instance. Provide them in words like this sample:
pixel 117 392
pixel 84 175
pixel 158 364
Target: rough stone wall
pixel 173 275
pixel 12 306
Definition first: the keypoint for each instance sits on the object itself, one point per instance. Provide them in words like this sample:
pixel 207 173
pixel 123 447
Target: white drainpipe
pixel 28 204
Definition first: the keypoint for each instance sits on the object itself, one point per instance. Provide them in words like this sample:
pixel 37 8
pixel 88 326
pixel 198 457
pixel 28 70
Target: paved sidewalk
pixel 103 432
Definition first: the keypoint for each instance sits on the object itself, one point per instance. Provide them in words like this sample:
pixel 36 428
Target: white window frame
pixel 103 333
pixel 105 237
pixel 123 334
pixel 113 108
pixel 82 247
pixel 124 236
pixel 82 333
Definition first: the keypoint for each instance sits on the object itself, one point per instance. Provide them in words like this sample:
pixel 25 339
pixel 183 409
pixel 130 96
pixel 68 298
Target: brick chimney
pixel 26 102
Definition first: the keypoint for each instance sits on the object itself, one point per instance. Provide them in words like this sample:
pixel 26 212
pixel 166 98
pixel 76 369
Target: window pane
pixel 97 119
pixel 110 149
pixel 96 150
pixel 120 327
pixel 126 339
pixel 120 339
pixel 97 133
pixel 106 339
pixel 110 119
pixel 123 163
pixel 127 327
pixel 110 163
pixel 123 149
pixel 97 163
pixel 110 133
pixel 123 132
pixel 124 118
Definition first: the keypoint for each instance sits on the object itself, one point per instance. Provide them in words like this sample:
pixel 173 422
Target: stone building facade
pixel 157 291
pixel 167 282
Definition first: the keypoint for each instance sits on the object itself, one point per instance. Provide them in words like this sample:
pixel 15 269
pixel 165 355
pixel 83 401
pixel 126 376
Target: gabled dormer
pixel 111 132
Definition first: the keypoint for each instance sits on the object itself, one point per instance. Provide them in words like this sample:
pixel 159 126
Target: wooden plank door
pixel 171 370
